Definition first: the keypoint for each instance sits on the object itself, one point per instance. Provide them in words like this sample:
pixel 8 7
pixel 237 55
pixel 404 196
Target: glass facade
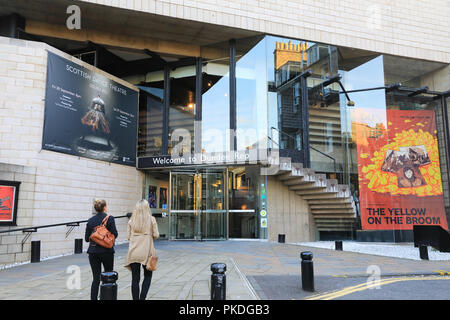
pixel 215 117
pixel 243 202
pixel 251 95
pixel 151 116
pixel 337 111
pixel 214 204
pixel 182 110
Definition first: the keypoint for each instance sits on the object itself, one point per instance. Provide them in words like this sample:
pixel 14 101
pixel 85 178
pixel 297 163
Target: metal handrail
pixel 282 132
pixel 326 155
pixel 310 146
pixel 68 224
pixel 270 138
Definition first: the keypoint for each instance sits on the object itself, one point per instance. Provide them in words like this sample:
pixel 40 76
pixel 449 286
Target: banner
pixel 399 171
pixel 8 202
pixel 89 115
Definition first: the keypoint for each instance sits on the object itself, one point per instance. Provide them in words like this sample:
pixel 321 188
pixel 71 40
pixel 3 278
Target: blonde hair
pixel 99 205
pixel 141 218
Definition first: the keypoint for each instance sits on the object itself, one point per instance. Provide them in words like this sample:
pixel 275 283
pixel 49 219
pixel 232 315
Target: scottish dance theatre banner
pixel 399 170
pixel 89 115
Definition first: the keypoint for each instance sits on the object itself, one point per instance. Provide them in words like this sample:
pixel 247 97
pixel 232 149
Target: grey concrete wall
pixel 288 214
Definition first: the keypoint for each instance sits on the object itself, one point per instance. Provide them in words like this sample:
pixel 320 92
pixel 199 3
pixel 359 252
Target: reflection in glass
pixel 251 95
pixel 182 110
pixel 369 111
pixel 213 205
pixel 286 60
pixel 151 107
pixel 243 202
pixel 215 105
pixel 185 217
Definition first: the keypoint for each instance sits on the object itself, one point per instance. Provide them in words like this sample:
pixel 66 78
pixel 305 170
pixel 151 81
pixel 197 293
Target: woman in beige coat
pixel 142 230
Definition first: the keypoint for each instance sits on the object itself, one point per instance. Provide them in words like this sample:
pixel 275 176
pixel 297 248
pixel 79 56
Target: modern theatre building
pixel 237 119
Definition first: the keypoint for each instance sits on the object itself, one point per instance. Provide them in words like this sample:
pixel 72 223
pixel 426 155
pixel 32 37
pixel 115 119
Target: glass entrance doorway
pixel 198 207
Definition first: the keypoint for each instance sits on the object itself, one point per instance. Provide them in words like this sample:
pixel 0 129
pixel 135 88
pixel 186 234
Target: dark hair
pixel 99 205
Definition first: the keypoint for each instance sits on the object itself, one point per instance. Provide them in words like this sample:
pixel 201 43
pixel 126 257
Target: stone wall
pixel 411 28
pixel 65 185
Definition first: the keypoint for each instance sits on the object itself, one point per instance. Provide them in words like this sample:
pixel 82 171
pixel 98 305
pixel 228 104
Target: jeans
pixel 96 260
pixel 136 277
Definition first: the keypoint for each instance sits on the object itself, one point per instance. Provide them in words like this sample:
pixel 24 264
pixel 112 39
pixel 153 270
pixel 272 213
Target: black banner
pixel 89 115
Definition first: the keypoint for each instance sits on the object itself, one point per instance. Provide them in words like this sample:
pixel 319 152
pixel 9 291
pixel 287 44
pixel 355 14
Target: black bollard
pixel 108 288
pixel 35 251
pixel 338 245
pixel 307 271
pixel 218 281
pixel 281 238
pixel 78 246
pixel 423 251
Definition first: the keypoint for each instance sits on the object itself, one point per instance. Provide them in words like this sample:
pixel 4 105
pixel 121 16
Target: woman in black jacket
pixel 99 255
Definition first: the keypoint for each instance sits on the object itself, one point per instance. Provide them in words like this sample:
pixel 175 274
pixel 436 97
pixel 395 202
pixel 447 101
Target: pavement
pixel 255 270
pixel 397 250
pixel 180 276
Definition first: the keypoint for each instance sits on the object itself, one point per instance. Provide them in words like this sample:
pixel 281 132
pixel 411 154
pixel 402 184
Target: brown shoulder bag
pixel 102 236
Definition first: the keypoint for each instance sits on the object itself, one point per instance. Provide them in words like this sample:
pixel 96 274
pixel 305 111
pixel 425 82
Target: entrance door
pixel 214 213
pixel 198 207
pixel 243 202
pixel 185 205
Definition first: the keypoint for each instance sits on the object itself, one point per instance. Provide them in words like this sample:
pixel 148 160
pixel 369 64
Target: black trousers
pixel 135 279
pixel 96 260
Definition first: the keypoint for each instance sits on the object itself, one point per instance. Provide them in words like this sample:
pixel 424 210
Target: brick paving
pixel 180 276
pixel 271 270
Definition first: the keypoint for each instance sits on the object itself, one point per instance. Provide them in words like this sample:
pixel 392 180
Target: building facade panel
pixel 300 86
pixel 415 29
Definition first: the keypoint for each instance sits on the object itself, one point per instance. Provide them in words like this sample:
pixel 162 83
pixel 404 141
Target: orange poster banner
pixel 399 171
pixel 7 194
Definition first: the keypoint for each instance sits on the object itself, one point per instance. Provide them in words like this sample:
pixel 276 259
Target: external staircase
pixel 331 204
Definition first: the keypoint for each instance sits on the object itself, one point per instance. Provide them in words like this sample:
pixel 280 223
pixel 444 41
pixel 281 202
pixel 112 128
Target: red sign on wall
pixel 399 170
pixel 8 205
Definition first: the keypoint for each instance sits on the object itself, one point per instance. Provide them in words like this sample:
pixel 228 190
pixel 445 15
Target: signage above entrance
pixel 256 156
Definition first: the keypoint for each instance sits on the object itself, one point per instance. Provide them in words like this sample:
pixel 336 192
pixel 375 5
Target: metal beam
pixel 305 118
pixel 233 115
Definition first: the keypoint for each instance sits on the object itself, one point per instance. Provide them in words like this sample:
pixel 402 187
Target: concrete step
pixel 331 201
pixel 285 164
pixel 333 211
pixel 292 174
pixel 331 206
pixel 277 165
pixel 308 176
pixel 335 228
pixel 297 168
pixel 326 195
pixel 334 224
pixel 344 191
pixel 311 186
pixel 343 229
pixel 273 164
pixel 316 191
pixel 300 184
pixel 334 219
